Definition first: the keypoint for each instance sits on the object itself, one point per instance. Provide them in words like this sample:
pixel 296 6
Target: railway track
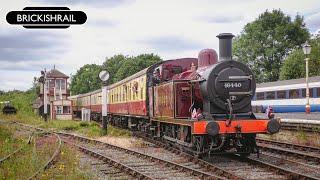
pixel 52 159
pixel 7 157
pixel 308 153
pixel 138 164
pixel 300 127
pixel 15 151
pixel 251 167
pixel 300 158
pixel 297 161
pixel 102 170
pixel 37 132
pixel 277 161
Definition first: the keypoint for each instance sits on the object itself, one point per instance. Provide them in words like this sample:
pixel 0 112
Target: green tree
pixel 295 67
pixel 135 64
pixel 120 66
pixel 86 79
pixel 264 43
pixel 112 65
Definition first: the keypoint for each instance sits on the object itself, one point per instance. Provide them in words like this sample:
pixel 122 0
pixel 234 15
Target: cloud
pixel 30 46
pixel 94 3
pixel 313 22
pixel 224 18
pixel 20 80
pixel 172 43
pixel 101 23
pixel 24 65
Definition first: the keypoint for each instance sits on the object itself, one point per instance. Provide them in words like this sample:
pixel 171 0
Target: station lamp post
pixel 104 76
pixel 306 50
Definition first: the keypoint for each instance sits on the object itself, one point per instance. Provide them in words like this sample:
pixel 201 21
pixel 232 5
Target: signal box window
pixel 270 95
pixel 260 96
pixel 66 109
pixel 60 83
pixel 281 94
pixel 294 93
pixel 59 109
pixel 51 83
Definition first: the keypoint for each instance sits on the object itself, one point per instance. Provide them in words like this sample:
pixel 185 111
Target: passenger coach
pixel 287 96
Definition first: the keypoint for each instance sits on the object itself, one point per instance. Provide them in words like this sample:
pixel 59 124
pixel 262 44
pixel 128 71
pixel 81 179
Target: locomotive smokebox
pixel 227 85
pixel 225 46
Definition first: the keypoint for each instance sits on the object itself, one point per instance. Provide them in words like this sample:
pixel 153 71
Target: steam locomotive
pixel 201 104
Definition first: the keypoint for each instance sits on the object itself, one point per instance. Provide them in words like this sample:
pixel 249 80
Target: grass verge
pixel 34 156
pixel 90 129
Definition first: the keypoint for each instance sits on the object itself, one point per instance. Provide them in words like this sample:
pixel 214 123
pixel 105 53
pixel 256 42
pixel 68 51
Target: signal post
pixel 104 76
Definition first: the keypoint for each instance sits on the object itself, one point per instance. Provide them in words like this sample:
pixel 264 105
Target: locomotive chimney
pixel 225 46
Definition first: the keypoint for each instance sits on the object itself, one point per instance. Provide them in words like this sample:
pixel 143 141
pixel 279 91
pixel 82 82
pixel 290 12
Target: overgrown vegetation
pixel 23 100
pixel 67 167
pixel 33 156
pixel 7 143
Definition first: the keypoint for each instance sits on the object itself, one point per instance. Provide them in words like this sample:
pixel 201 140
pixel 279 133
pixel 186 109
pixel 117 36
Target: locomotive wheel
pixel 198 143
pixel 249 145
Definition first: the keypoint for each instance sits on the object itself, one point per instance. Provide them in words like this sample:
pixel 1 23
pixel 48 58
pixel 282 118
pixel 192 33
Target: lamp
pixel 307 50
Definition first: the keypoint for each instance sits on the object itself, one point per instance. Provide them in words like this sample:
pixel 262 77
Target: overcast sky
pixel 168 28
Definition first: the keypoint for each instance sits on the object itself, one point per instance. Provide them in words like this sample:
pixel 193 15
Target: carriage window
pixel 310 92
pixel 294 93
pixel 270 95
pixel 281 94
pixel 318 92
pixel 260 95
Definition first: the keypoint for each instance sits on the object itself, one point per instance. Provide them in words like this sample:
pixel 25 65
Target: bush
pixel 84 124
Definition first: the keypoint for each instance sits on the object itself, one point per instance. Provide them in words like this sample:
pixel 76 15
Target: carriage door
pixel 151 99
pixel 182 99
